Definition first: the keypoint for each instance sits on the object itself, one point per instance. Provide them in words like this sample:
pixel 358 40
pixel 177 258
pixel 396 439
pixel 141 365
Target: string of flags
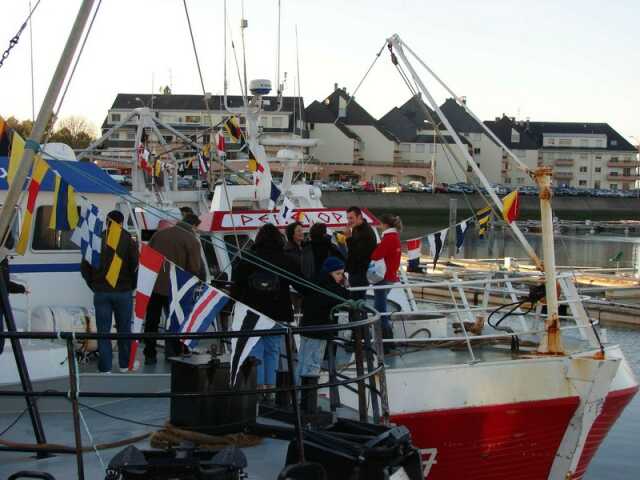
pixel 437 240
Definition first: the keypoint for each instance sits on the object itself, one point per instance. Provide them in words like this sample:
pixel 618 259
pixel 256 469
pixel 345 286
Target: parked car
pixel 442 188
pixel 393 188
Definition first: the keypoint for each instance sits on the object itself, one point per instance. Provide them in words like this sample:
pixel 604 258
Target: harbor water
pixel 618 457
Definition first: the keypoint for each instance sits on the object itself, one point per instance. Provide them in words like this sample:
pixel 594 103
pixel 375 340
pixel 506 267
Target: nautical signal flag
pixel 245 319
pixel 151 262
pixel 274 195
pixel 253 165
pixel 116 241
pixel 286 211
pixel 4 138
pixel 220 151
pixel 414 246
pixel 157 168
pixel 204 312
pixel 511 207
pixel 40 169
pixel 483 217
pixel 182 296
pixel 143 158
pixel 461 230
pixel 232 126
pixel 436 242
pixel 64 214
pixel 17 150
pixel 88 233
pixel 203 164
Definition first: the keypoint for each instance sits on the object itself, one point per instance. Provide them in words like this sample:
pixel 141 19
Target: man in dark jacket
pixel 316 251
pixel 117 301
pixel 180 245
pixel 361 241
pixel 316 309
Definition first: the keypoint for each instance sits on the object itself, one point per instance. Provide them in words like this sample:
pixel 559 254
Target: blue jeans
pixel 267 350
pixel 310 357
pixel 380 303
pixel 109 305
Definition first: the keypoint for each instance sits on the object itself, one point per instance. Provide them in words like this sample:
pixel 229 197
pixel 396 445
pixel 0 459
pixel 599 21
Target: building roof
pixel 615 141
pixel 502 127
pixel 84 177
pixel 327 112
pixel 460 120
pixel 128 101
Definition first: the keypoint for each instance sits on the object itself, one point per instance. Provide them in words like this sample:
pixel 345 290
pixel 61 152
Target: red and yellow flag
pixel 511 207
pixel 40 168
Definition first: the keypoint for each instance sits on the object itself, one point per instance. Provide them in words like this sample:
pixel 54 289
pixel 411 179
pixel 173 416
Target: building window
pixel 419 147
pixel 613 143
pixel 614 159
pixel 515 136
pixel 405 147
pixel 613 186
pixel 168 138
pixel 206 138
pixel 507 180
pixel 192 119
pixel 115 117
pixel 596 184
pixel 582 183
pixel 613 174
pixel 564 142
pixel 583 169
pixel 598 157
pixel 520 180
pixel 45 238
pixel 626 172
pixel 476 151
pixel 131 135
pixel 598 169
pixel 276 122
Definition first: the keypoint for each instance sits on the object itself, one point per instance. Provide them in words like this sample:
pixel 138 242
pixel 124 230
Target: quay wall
pixel 569 208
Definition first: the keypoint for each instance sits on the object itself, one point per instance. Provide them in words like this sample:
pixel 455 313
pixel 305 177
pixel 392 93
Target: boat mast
pixel 44 115
pixel 551 342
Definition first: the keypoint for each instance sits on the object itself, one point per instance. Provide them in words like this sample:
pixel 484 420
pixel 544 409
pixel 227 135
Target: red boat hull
pixel 613 406
pixel 509 441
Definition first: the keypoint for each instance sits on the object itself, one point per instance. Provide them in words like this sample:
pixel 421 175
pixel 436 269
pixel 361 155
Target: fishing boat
pixel 530 395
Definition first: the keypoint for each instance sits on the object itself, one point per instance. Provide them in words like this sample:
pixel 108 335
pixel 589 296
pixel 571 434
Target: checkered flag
pixel 88 233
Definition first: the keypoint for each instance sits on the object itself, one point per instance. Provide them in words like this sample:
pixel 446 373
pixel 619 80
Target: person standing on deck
pixel 258 283
pixel 110 302
pixel 295 237
pixel 180 245
pixel 316 251
pixel 361 242
pixel 389 250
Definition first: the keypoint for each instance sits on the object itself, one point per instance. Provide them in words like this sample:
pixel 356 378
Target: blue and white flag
pixel 286 211
pixel 88 234
pixel 461 229
pixel 274 195
pixel 245 319
pixel 182 297
pixel 436 242
pixel 204 312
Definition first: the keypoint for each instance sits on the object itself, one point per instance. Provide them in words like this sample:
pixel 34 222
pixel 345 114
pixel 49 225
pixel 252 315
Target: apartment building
pixel 583 155
pixel 189 115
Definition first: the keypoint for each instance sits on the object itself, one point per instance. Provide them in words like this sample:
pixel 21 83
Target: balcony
pixel 563 175
pixel 563 162
pixel 623 178
pixel 622 164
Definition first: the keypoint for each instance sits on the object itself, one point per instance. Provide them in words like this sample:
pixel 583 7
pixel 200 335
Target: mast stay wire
pixel 49 131
pixel 352 96
pixel 206 104
pixel 250 257
pixel 16 38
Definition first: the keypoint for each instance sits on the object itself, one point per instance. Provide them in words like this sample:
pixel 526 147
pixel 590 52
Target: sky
pixel 549 60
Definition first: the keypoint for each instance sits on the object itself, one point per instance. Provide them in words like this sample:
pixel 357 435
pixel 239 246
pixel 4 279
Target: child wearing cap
pixel 316 308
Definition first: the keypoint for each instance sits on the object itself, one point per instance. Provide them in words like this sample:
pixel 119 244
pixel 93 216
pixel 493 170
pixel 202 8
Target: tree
pixel 23 127
pixel 75 131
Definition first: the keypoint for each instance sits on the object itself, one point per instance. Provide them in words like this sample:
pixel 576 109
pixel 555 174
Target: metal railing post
pixel 359 358
pixel 288 340
pixel 384 393
pixel 75 407
pixel 334 392
pixel 375 406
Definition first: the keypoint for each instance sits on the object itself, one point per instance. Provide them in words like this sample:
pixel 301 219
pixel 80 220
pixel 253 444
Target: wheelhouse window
pixel 45 238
